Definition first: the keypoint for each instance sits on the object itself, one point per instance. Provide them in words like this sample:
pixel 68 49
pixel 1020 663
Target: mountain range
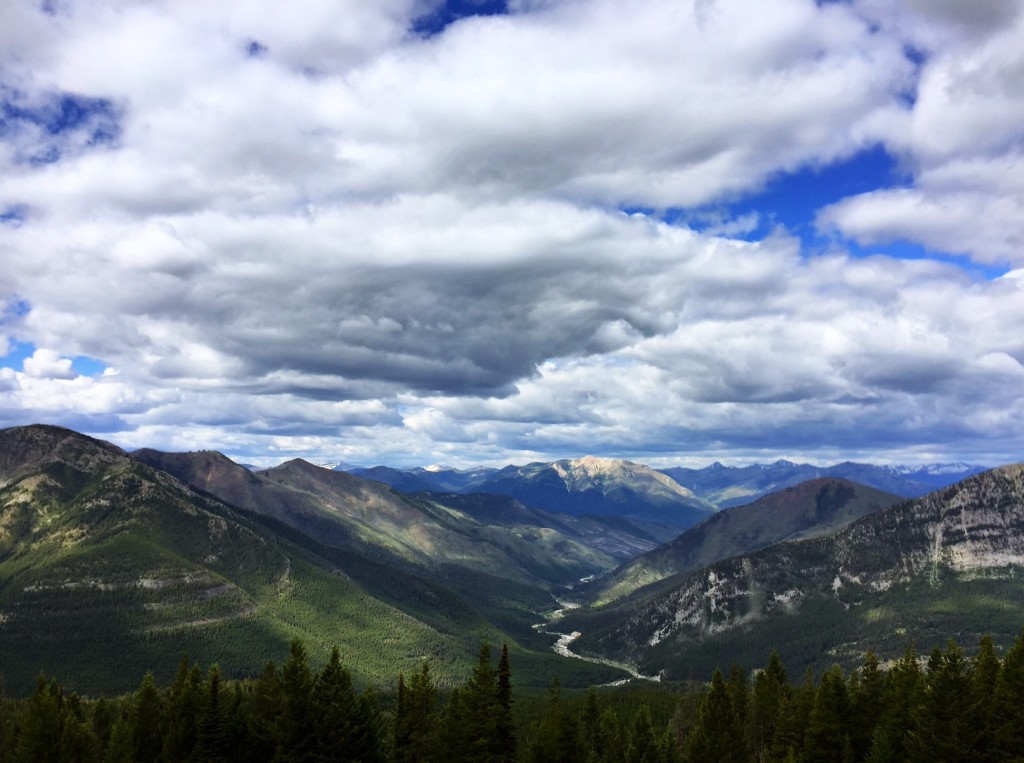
pixel 572 485
pixel 950 562
pixel 115 563
pixel 811 509
pixel 588 485
pixel 112 564
pixel 727 486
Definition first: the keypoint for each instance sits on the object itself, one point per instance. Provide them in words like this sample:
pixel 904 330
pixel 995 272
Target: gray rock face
pixel 881 566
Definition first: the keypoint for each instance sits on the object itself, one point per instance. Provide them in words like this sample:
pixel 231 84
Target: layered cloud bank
pixel 337 235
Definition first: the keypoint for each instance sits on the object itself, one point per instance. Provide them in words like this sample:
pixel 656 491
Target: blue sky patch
pixel 451 11
pixel 81 364
pixel 62 120
pixel 14 216
pixel 255 49
pixel 15 359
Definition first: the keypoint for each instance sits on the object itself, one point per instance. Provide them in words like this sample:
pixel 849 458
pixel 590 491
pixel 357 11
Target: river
pixel 561 646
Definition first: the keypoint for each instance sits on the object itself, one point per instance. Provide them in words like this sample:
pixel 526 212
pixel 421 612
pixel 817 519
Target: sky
pixel 410 232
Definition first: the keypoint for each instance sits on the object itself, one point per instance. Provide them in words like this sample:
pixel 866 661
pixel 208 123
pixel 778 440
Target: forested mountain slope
pixel 110 567
pixel 949 563
pixel 811 509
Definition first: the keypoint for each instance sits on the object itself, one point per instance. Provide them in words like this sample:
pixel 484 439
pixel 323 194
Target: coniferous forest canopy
pixel 948 707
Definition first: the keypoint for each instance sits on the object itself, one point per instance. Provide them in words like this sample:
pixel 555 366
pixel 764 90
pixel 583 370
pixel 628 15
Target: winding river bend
pixel 561 646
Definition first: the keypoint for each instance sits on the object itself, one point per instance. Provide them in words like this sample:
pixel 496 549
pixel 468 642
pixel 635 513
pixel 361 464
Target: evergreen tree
pixel 642 746
pixel 182 711
pixel 264 714
pixel 902 688
pixel 769 686
pixel 368 743
pixel 488 724
pixel 102 723
pixel 212 737
pixel 1008 705
pixel 481 702
pixel 147 721
pixel 983 675
pixel 738 691
pixel 452 738
pixel 587 725
pixel 120 749
pixel 555 738
pixel 669 749
pixel 717 733
pixel 40 722
pixel 334 708
pixel 347 727
pixel 296 732
pixel 504 731
pixel 415 718
pixel 608 745
pixel 866 705
pixel 78 742
pixel 787 736
pixel 826 740
pixel 940 721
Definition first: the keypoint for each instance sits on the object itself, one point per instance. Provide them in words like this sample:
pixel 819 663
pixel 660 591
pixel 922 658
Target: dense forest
pixel 948 707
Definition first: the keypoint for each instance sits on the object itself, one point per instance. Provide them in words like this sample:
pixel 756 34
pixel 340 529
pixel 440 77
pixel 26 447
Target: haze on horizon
pixel 411 232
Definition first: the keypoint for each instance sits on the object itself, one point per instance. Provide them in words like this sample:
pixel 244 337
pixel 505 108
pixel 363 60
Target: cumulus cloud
pixel 324 234
pixel 963 138
pixel 47 364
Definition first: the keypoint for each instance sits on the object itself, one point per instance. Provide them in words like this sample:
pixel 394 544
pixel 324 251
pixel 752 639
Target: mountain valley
pixel 111 559
pixel 811 509
pixel 948 563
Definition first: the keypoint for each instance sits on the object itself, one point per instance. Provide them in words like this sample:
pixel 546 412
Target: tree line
pixel 948 707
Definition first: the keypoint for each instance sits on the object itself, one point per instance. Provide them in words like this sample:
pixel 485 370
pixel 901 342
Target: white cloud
pixel 47 364
pixel 963 138
pixel 362 245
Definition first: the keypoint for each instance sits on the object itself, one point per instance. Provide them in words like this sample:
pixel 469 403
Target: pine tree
pixel 368 744
pixel 212 736
pixel 182 711
pixel 452 737
pixel 147 721
pixel 902 689
pixel 39 733
pixel 483 712
pixel 769 686
pixel 669 749
pixel 642 746
pixel 826 740
pixel 738 696
pixel 264 715
pixel 940 720
pixel 504 731
pixel 984 675
pixel 120 748
pixel 608 744
pixel 78 741
pixel 415 718
pixel 717 733
pixel 787 737
pixel 102 722
pixel 555 738
pixel 866 705
pixel 347 727
pixel 587 724
pixel 296 737
pixel 1008 704
pixel 334 704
